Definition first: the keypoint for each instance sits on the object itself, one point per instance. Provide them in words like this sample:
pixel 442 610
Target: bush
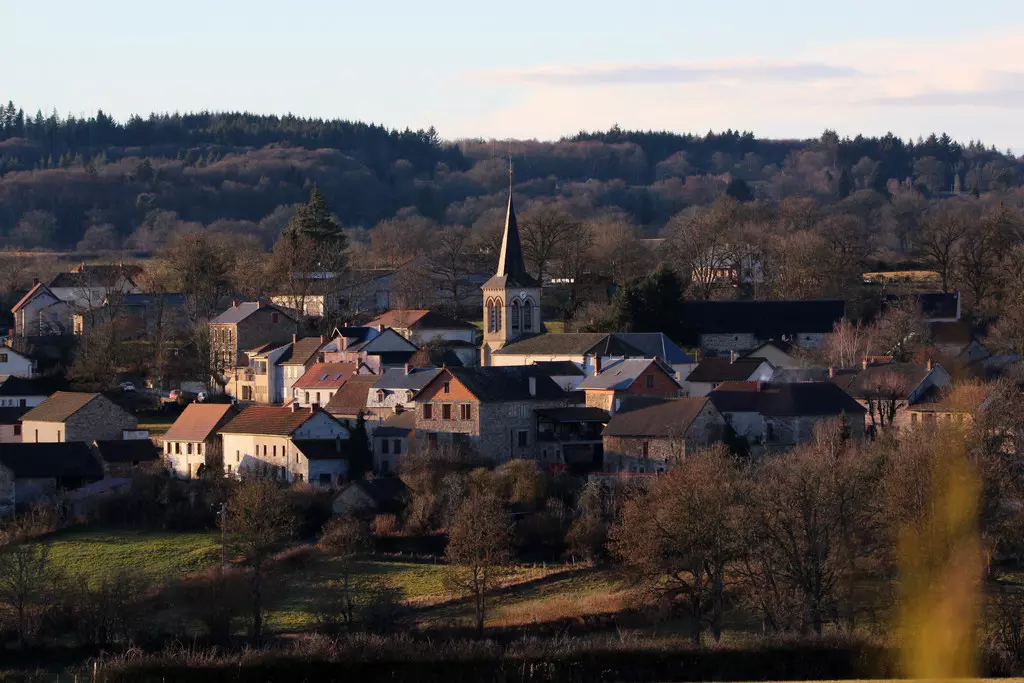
pixel 218 600
pixel 385 525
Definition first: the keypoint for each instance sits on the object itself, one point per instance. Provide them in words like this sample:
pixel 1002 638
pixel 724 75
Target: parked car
pixel 127 386
pixel 201 397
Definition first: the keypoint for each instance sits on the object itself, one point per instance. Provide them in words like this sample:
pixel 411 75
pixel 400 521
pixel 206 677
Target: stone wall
pixel 99 420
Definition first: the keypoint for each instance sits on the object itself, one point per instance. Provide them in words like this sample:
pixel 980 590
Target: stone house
pixel 35 472
pixel 423 327
pixel 349 402
pixel 711 372
pixel 15 364
pixel 651 435
pixel 261 380
pixel 879 386
pixel 194 440
pixel 49 309
pixel 721 327
pixel 570 437
pixel 628 377
pixel 293 444
pixel 396 390
pixel 76 416
pixel 391 440
pixel 322 381
pixel 41 313
pixel 778 415
pixel 489 410
pixel 248 325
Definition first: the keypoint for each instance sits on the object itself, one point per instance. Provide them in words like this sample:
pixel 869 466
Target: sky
pixel 536 69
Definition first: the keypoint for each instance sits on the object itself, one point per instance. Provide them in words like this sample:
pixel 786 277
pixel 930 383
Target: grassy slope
pixel 161 556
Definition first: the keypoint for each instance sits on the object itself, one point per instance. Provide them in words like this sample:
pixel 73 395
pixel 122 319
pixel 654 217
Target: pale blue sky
pixel 536 69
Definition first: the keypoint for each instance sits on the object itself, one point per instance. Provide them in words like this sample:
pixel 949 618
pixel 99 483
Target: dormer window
pixel 380 396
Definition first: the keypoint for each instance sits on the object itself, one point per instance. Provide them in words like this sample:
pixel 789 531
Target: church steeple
pixel 512 295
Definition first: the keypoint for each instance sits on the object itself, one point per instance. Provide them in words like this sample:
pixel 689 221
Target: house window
pixel 466 411
pixel 229 470
pixel 177 448
pixel 522 438
pixel 318 398
pixel 22 403
pixel 384 447
pixel 447 387
pixel 264 450
pixel 274 451
pixel 188 449
pixel 650 381
pixel 17 430
pixel 446 411
pixel 37 436
pixel 380 396
pixel 307 397
pixel 58 435
pixel 3 357
pixel 428 411
pixel 199 448
pixel 396 446
pixel 646 449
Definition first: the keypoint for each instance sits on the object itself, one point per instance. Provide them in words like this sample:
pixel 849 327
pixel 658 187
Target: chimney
pixel 533 386
pixel 295 338
pixel 929 365
pixel 380 328
pixel 864 363
pixel 311 409
pixel 408 369
pixel 732 357
pixel 234 304
pixel 597 364
pixel 35 281
pixel 294 406
pixel 322 340
pixel 760 385
pixel 259 304
pixel 831 371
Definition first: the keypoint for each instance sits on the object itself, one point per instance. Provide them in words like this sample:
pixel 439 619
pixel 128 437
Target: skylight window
pixel 323 378
pixel 337 377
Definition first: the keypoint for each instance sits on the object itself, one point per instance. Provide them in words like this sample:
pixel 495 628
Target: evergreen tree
pixel 653 304
pixel 736 444
pixel 845 186
pixel 360 454
pixel 314 220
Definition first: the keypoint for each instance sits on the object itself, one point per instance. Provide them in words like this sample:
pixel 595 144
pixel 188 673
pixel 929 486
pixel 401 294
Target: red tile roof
pixel 198 421
pixel 419 319
pixel 269 420
pixel 326 376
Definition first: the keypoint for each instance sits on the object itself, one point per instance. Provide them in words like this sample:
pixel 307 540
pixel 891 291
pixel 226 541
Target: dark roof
pixel 301 351
pixel 70 459
pixel 619 375
pixel 574 414
pixel 350 399
pixel 321 449
pixel 667 418
pixel 763 319
pixel 724 369
pixel 198 421
pixel 952 333
pixel 103 275
pixel 414 380
pixel 387 493
pixel 558 368
pixel 38 287
pixel 646 344
pixel 399 424
pixel 237 313
pixel 784 399
pixel 22 386
pixel 60 406
pixel 128 450
pixel 12 416
pixel 356 333
pixel 387 341
pixel 269 420
pixel 420 319
pixel 802 375
pixel 860 382
pixel 574 343
pixel 512 383
pixel 511 270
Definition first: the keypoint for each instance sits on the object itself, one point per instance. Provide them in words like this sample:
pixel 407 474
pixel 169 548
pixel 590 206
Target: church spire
pixel 510 261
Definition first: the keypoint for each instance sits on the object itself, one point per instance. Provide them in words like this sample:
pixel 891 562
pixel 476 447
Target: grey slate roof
pixel 321 449
pixel 397 379
pixel 649 344
pixel 236 314
pixel 620 374
pixel 667 418
pixel 497 384
pixel 387 341
pixel 558 368
pixel 859 382
pixel 724 370
pixel 397 425
pixel 511 270
pixel 784 399
pixel 625 344
pixel 572 343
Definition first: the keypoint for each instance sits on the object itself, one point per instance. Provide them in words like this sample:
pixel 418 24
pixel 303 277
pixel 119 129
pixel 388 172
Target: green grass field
pixel 157 424
pixel 160 556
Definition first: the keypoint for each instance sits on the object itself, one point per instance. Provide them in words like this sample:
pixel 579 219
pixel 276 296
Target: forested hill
pixel 96 183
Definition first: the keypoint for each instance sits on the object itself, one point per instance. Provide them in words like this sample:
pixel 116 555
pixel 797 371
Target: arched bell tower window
pixel 527 315
pixel 497 315
pixel 514 314
pixel 490 316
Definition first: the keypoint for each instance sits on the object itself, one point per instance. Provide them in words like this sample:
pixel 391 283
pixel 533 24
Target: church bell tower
pixel 512 295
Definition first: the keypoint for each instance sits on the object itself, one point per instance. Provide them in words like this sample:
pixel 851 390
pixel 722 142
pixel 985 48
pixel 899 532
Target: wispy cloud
pixel 639 74
pixel 1010 98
